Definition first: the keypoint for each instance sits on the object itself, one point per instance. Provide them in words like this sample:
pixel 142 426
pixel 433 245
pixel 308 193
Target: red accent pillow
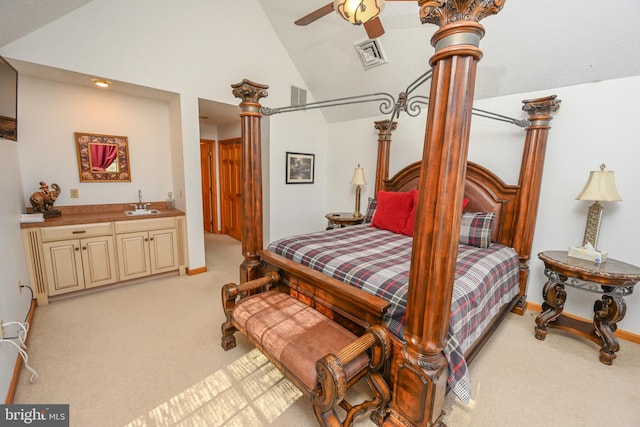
pixel 465 202
pixel 393 210
pixel 411 221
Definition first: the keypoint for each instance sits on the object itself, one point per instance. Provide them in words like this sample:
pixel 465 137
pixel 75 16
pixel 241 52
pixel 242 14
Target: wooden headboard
pixel 484 189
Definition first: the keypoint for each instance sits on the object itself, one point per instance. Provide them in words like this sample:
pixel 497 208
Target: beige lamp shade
pixel 600 187
pixel 358 11
pixel 358 176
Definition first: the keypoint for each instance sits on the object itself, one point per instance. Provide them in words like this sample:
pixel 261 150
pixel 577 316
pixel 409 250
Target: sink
pixel 138 212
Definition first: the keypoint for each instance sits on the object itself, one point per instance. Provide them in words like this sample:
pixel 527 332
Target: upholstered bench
pixel 320 357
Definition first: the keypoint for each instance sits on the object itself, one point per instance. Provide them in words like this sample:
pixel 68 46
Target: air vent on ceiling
pixel 298 96
pixel 371 53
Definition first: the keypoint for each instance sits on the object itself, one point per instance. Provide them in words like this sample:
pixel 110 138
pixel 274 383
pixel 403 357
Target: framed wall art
pixel 300 168
pixel 102 158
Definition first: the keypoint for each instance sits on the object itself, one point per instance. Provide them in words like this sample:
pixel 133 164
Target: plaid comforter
pixel 377 261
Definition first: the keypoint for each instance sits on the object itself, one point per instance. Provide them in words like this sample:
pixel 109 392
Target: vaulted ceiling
pixel 528 46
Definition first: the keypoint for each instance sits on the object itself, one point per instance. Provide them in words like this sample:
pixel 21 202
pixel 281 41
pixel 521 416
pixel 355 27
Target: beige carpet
pixel 149 354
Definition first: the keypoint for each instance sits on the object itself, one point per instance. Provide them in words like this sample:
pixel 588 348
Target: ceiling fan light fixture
pixel 358 11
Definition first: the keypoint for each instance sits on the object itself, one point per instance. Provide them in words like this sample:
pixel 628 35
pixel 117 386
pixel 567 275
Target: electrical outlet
pixel 19 286
pixel 74 193
pixel 1 330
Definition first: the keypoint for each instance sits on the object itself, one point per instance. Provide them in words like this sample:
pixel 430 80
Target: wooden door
pixel 230 164
pixel 208 177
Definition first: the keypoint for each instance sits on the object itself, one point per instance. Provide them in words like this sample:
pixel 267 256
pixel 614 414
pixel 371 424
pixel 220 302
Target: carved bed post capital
pixel 249 92
pixel 443 12
pixel 252 233
pixel 540 109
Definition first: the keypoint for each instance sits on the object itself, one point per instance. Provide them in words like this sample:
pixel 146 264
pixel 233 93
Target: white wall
pixel 50 114
pixel 304 204
pixel 13 304
pixel 596 124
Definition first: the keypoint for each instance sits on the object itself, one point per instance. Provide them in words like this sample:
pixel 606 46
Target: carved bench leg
pixel 230 293
pixel 228 339
pixel 333 381
pixel 383 396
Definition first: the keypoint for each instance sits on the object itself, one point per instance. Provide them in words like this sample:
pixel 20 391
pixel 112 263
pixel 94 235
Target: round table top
pixel 611 272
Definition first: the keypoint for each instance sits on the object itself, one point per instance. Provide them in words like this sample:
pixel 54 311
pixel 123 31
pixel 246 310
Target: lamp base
pixel 357 213
pixel 592 228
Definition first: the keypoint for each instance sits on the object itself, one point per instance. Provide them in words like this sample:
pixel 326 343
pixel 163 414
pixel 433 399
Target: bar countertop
pixel 86 214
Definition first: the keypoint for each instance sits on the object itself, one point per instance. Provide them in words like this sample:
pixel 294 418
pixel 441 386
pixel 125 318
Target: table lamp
pixel 358 180
pixel 600 187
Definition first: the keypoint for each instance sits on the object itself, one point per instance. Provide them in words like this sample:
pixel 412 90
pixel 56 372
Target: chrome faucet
pixel 140 206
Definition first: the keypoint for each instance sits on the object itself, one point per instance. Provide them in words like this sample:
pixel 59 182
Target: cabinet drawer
pixel 144 225
pixel 79 231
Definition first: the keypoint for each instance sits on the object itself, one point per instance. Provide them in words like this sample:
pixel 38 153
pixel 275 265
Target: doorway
pixel 209 187
pixel 230 167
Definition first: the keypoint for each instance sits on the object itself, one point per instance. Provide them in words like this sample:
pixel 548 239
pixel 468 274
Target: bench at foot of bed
pixel 320 357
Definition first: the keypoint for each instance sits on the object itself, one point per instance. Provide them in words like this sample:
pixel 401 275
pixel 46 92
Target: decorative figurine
pixel 43 200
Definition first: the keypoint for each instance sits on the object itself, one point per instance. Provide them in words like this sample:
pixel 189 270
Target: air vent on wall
pixel 371 53
pixel 298 96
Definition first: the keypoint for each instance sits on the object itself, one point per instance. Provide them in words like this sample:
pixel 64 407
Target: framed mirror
pixel 8 101
pixel 102 158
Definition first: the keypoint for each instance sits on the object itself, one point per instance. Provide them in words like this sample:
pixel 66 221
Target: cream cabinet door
pixel 72 265
pixel 63 266
pixel 133 255
pixel 98 261
pixel 163 250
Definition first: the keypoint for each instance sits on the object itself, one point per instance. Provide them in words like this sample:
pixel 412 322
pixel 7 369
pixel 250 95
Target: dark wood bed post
pixel 533 155
pixel 252 232
pixel 421 379
pixel 384 146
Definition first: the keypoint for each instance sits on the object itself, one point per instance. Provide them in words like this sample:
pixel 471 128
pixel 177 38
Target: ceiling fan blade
pixel 315 15
pixel 374 28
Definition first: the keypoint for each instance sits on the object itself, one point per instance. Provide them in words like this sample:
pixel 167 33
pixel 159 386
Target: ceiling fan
pixel 357 12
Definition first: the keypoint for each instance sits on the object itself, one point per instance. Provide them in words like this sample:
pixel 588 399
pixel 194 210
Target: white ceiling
pixel 528 46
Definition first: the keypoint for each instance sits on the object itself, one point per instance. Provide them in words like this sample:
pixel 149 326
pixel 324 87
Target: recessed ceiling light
pixel 101 82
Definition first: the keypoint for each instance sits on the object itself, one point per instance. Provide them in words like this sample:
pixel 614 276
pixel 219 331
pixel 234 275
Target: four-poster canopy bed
pixel 412 361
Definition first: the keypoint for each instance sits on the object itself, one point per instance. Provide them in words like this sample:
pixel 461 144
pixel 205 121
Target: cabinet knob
pixel 76 248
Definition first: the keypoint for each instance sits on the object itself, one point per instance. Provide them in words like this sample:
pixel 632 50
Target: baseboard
pixel 16 370
pixel 192 271
pixel 623 335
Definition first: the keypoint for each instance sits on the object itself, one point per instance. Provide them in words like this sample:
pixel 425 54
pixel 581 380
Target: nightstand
pixel 613 280
pixel 343 219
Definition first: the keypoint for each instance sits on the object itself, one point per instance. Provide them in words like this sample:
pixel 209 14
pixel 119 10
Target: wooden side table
pixel 612 279
pixel 343 219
